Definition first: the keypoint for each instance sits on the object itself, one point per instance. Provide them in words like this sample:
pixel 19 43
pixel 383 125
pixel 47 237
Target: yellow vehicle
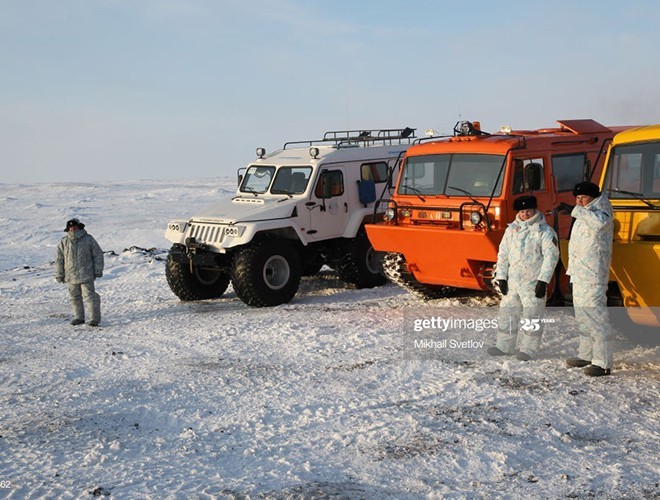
pixel 631 179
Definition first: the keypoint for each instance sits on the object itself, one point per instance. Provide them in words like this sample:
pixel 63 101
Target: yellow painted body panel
pixel 636 247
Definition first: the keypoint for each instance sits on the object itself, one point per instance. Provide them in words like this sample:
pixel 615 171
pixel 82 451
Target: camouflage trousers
pixel 590 303
pixel 85 293
pixel 519 323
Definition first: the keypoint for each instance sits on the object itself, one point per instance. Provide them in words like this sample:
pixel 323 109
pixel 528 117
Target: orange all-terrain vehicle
pixel 453 198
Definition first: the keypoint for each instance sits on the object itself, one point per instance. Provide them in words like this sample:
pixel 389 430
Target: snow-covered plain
pixel 317 398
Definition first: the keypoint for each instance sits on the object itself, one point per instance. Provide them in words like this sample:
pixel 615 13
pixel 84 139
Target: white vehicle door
pixel 328 205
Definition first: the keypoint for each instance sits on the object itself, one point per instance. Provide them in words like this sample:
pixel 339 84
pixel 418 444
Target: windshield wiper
pixel 290 195
pixel 639 196
pixel 467 193
pixel 250 190
pixel 415 191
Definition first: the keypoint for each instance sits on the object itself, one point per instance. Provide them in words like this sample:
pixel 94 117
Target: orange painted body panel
pixel 440 256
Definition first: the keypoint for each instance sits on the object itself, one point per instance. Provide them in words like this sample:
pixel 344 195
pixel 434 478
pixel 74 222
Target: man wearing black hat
pixel 526 259
pixel 78 262
pixel 589 257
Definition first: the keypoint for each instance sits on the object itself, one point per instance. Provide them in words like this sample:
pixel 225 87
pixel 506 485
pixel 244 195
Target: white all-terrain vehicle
pixel 295 210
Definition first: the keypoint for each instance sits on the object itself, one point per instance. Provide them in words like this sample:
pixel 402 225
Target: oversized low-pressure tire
pixel 395 268
pixel 360 264
pixel 200 284
pixel 266 272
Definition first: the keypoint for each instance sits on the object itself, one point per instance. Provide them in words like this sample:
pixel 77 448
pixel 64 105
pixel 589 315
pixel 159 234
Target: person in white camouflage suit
pixel 589 257
pixel 78 262
pixel 526 260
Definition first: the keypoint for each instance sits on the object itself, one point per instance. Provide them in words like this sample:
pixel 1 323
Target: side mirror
pixel 240 179
pixel 390 177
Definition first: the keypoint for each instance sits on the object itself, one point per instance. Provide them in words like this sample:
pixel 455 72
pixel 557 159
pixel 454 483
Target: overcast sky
pixel 97 90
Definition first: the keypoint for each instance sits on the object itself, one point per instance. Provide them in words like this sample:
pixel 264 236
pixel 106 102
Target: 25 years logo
pixel 531 325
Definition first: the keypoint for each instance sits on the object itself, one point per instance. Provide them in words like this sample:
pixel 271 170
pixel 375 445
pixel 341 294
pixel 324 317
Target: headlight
pixel 178 227
pixel 475 218
pixel 390 214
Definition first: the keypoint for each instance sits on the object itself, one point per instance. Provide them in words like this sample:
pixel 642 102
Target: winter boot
pixel 77 322
pixel 523 356
pixel 577 362
pixel 596 371
pixel 494 351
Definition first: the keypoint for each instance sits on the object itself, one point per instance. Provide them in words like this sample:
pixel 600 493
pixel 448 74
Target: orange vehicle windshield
pixel 452 175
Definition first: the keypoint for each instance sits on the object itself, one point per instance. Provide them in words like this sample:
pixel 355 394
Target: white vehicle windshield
pixel 257 179
pixel 453 175
pixel 291 180
pixel 260 179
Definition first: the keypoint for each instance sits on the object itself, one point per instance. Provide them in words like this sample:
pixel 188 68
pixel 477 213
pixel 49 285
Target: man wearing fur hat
pixel 526 259
pixel 589 257
pixel 78 262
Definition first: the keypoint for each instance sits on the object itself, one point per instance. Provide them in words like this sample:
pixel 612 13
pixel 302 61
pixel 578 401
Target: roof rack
pixel 353 138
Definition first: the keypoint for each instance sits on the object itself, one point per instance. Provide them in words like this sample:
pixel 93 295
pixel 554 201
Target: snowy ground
pixel 322 397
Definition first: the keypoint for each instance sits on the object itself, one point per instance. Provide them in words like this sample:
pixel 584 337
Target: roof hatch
pixel 587 126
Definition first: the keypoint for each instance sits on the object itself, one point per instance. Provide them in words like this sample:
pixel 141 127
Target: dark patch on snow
pixel 418 444
pixel 355 366
pixel 100 492
pixel 156 253
pixel 521 384
pixel 325 490
pixel 235 367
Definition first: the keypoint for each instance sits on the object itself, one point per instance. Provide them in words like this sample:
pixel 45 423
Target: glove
pixel 503 286
pixel 565 207
pixel 541 289
pixel 59 279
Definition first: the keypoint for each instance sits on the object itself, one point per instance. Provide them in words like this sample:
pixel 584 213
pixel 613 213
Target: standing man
pixel 78 262
pixel 589 257
pixel 526 260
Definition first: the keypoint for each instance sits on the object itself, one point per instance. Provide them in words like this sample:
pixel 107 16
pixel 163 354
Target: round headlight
pixel 261 152
pixel 390 214
pixel 313 152
pixel 475 218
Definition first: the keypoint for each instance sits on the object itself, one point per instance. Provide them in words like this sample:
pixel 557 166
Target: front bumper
pixel 438 256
